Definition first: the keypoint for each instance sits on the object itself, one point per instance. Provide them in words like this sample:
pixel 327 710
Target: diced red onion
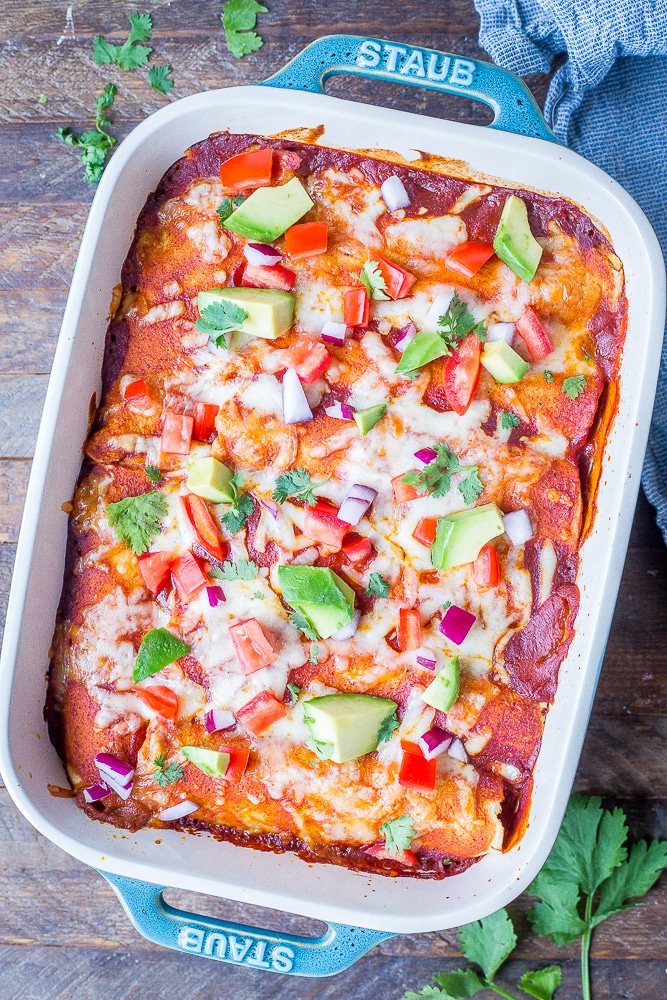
pixel 501 331
pixel 457 751
pixel 305 558
pixel 109 763
pixel 408 333
pixel 439 307
pixel 295 405
pixel 356 503
pixel 96 792
pixel 178 811
pixel 217 719
pixel 425 658
pixel 394 194
pixel 340 411
pixel 261 254
pixel 334 333
pixel 517 526
pixel 270 506
pixel 456 624
pixel 215 596
pixel 434 742
pixel 362 492
pixel 426 455
pixel 347 631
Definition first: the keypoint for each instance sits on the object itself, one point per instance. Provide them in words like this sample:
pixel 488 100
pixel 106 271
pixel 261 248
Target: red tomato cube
pixel 309 358
pixel 403 492
pixel 204 415
pixel 409 632
pixel 357 307
pixel 259 276
pixel 306 239
pixel 155 569
pixel 321 524
pixel 261 712
pixel 252 647
pixel 176 433
pixel 417 772
pixel 160 698
pixel 425 530
pixel 188 576
pixel 238 762
pixel 247 170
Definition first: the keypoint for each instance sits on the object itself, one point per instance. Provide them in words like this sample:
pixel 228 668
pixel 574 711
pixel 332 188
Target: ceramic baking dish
pixel 137 866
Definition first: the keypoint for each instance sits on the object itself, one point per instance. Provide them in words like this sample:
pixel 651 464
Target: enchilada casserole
pixel 322 557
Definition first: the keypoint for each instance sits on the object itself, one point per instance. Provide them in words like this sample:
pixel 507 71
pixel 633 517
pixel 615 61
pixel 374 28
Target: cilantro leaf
pixel 387 728
pixel 298 484
pixel 488 942
pixel 153 473
pixel 158 77
pixel 240 511
pixel 377 586
pixel 259 596
pixel 460 984
pixel 586 354
pixel 428 993
pixel 574 386
pixel 238 18
pixel 314 654
pixel 227 206
pixel 398 834
pixel 94 144
pixel 543 983
pixel 548 376
pixel 130 55
pixel 435 478
pixel 299 620
pixel 242 569
pixel 137 519
pixel 294 690
pixel 456 323
pixel 166 774
pixel 220 317
pixel 633 877
pixel 104 52
pixel 508 420
pixel 373 281
pixel 471 487
pixel 320 749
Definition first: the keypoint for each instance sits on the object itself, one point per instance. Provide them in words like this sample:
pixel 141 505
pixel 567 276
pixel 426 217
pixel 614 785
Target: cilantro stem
pixel 501 991
pixel 585 950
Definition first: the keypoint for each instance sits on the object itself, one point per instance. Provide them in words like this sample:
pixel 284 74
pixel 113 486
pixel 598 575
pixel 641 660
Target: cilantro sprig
pixel 299 620
pixel 456 323
pixel 238 18
pixel 241 509
pixel 377 586
pixel 574 386
pixel 159 79
pixel 435 479
pixel 153 473
pixel 136 520
pixel 242 569
pixel 373 281
pixel 398 834
pixel 508 420
pixel 220 318
pixel 166 774
pixel 94 144
pixel 298 484
pixel 130 54
pixel 227 206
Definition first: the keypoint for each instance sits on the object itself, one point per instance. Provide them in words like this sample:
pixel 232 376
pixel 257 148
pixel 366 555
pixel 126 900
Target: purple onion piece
pixel 352 510
pixel 339 411
pixel 215 596
pixel 458 751
pixel 178 811
pixel 118 786
pixel 347 631
pixel 426 455
pixel 334 333
pixel 296 409
pixel 96 792
pixel 114 765
pixel 406 334
pixel 456 624
pixel 360 492
pixel 261 254
pixel 425 658
pixel 217 719
pixel 271 506
pixel 434 742
pixel 347 411
pixel 518 527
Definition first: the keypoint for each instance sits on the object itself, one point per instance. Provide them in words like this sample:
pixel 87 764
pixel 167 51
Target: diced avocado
pixel 270 311
pixel 159 647
pixel 444 690
pixel 210 479
pixel 269 211
pixel 460 537
pixel 351 724
pixel 502 361
pixel 211 762
pixel 514 243
pixel 367 419
pixel 318 593
pixel 423 348
pixel 325 619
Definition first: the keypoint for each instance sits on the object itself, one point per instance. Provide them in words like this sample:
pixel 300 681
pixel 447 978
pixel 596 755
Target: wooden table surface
pixel 62 932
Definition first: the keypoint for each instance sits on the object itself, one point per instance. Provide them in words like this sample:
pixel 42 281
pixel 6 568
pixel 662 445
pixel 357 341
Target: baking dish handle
pixel 511 101
pixel 339 948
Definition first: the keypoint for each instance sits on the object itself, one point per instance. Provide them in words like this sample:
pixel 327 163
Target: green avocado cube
pixel 210 479
pixel 269 211
pixel 347 725
pixel 459 537
pixel 423 348
pixel 443 691
pixel 270 311
pixel 159 647
pixel 514 243
pixel 318 593
pixel 324 619
pixel 502 361
pixel 211 762
pixel 368 418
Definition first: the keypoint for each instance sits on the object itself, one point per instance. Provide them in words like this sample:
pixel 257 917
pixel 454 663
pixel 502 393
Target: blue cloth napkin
pixel 609 102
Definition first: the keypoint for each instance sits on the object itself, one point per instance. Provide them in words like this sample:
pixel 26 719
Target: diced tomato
pixel 461 375
pixel 417 772
pixel 398 281
pixel 403 492
pixel 137 395
pixel 252 647
pixel 425 530
pixel 321 524
pixel 486 568
pixel 306 239
pixel 259 276
pixel 534 336
pixel 411 747
pixel 204 415
pixel 188 576
pixel 176 433
pixel 160 698
pixel 467 258
pixel 238 761
pixel 261 712
pixel 204 525
pixel 247 170
pixel 402 858
pixel 309 358
pixel 409 632
pixel 357 549
pixel 155 569
pixel 357 307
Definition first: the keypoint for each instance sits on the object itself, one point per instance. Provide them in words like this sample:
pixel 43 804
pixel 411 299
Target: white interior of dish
pixel 29 761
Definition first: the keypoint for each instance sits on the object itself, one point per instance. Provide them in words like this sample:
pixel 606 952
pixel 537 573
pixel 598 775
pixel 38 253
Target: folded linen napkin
pixel 609 102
